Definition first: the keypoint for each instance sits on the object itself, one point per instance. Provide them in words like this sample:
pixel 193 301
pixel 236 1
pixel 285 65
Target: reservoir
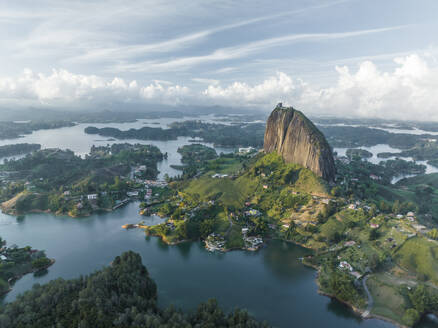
pixel 272 283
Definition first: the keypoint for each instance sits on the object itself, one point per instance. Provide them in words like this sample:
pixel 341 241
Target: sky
pixel 347 58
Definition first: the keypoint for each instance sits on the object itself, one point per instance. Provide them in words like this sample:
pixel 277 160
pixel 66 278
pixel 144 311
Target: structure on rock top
pixel 290 133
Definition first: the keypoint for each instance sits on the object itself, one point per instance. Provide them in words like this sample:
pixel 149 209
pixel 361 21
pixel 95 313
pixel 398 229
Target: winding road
pixel 370 298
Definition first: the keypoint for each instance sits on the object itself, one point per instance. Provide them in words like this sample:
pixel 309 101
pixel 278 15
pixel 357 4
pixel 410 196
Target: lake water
pixel 272 284
pixel 384 148
pixel 388 128
pixel 75 139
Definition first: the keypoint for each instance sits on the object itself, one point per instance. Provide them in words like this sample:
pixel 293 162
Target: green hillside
pixel 262 182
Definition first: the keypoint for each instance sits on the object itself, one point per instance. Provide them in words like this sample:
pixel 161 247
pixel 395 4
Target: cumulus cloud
pixel 63 87
pixel 408 92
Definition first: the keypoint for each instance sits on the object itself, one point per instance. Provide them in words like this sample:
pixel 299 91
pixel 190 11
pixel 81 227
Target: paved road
pixel 370 298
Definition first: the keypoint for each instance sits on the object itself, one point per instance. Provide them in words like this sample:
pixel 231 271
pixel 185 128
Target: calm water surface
pixel 75 139
pixel 272 284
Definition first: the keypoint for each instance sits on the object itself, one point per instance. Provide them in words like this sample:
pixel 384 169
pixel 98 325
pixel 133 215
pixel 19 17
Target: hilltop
pixel 298 140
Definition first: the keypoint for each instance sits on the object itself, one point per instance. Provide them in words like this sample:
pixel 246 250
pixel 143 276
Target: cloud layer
pixel 408 91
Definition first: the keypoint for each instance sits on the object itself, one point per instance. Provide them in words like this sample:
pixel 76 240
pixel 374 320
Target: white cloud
pixel 408 92
pixel 205 81
pixel 62 87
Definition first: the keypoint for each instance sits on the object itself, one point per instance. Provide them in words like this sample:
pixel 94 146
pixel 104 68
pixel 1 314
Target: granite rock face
pixel 298 140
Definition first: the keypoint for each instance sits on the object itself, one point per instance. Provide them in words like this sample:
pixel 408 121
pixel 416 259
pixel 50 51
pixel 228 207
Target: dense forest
pixel 18 149
pixel 219 134
pixel 9 130
pixel 120 295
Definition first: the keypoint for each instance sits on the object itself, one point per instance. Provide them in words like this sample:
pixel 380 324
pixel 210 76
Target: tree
pixel 40 263
pixel 396 207
pixel 433 233
pixel 373 234
pixel 120 295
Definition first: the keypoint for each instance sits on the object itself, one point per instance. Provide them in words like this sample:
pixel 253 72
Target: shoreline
pixel 57 214
pixel 357 311
pixel 17 277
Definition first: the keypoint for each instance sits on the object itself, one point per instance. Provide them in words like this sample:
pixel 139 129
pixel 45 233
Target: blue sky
pixel 313 54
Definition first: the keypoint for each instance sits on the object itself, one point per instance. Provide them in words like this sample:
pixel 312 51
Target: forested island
pixel 423 150
pixel 10 130
pixel 120 295
pixel 18 149
pixel 219 134
pixel 60 182
pixel 16 262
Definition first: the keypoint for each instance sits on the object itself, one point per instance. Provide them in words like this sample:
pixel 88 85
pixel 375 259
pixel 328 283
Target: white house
pixel 345 265
pixel 92 196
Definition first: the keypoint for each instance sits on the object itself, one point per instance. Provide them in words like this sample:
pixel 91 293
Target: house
pixel 67 193
pixel 375 177
pixel 3 258
pixel 265 186
pixel 92 196
pixel 410 214
pixel 374 225
pixel 252 212
pixel 352 207
pixel 349 243
pixel 326 201
pixel 345 265
pixel 419 227
pixel 245 231
pixel 132 194
pixel 220 176
pixel 79 206
pixel 399 216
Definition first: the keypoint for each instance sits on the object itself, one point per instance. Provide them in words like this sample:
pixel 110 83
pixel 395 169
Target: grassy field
pixel 331 227
pixel 225 165
pixel 419 256
pixel 269 171
pixel 229 192
pixel 388 301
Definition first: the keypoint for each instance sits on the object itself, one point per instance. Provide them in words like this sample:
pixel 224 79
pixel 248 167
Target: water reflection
pixel 341 310
pixel 284 260
pixel 184 249
pixel 40 273
pixel 272 284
